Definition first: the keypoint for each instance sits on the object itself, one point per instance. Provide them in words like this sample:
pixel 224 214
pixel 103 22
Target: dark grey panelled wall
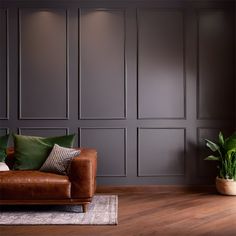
pixel 144 82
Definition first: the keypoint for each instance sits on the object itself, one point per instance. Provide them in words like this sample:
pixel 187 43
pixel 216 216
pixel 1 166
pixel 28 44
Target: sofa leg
pixel 84 206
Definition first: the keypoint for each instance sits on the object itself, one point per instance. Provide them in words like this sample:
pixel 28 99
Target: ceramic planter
pixel 226 186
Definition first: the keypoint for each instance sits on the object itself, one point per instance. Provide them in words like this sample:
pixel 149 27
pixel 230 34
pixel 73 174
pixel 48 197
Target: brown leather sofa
pixel 36 187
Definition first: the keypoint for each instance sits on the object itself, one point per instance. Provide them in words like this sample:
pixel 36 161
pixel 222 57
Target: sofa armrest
pixel 83 174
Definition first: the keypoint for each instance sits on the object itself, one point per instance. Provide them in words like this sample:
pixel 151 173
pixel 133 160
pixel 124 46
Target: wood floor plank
pixel 164 212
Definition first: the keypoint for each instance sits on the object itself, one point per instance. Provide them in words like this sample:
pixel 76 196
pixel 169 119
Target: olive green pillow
pixel 3 146
pixel 31 152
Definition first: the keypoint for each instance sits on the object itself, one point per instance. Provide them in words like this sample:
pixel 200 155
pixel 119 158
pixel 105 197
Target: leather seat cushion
pixel 33 185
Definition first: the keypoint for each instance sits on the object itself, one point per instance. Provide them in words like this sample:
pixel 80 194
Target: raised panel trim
pixel 20 129
pixel 6 129
pixel 80 116
pixel 198 76
pixel 7 68
pixel 160 175
pixel 125 147
pixel 21 117
pixel 139 117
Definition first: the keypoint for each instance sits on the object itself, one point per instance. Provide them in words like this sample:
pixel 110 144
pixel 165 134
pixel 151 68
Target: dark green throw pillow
pixel 3 146
pixel 31 151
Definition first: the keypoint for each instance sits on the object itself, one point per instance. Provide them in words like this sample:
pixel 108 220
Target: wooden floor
pixel 168 211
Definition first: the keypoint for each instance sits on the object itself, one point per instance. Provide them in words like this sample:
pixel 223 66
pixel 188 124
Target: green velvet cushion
pixel 3 147
pixel 31 152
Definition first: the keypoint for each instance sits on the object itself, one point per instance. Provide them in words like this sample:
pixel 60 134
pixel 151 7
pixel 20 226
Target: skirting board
pixel 153 188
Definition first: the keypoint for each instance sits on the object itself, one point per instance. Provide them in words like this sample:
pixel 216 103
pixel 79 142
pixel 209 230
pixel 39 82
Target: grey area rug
pixel 102 211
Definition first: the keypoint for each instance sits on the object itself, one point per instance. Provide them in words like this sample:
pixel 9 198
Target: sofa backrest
pixel 10 157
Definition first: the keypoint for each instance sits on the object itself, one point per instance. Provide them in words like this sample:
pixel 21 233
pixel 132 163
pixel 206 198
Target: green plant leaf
pixel 230 142
pixel 221 139
pixel 231 153
pixel 212 158
pixel 213 146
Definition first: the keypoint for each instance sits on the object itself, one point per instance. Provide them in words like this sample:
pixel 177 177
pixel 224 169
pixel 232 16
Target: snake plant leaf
pixel 213 146
pixel 221 139
pixel 212 158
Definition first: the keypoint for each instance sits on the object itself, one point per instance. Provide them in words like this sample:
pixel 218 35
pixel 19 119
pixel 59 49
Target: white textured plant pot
pixel 226 186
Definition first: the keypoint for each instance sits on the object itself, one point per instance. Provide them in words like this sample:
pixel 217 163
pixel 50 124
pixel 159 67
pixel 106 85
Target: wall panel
pixel 3 65
pixel 102 64
pixel 216 64
pixel 161 151
pixel 111 146
pixel 161 73
pixel 43 64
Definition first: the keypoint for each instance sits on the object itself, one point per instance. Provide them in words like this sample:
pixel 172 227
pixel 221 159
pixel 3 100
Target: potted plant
pixel 225 154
